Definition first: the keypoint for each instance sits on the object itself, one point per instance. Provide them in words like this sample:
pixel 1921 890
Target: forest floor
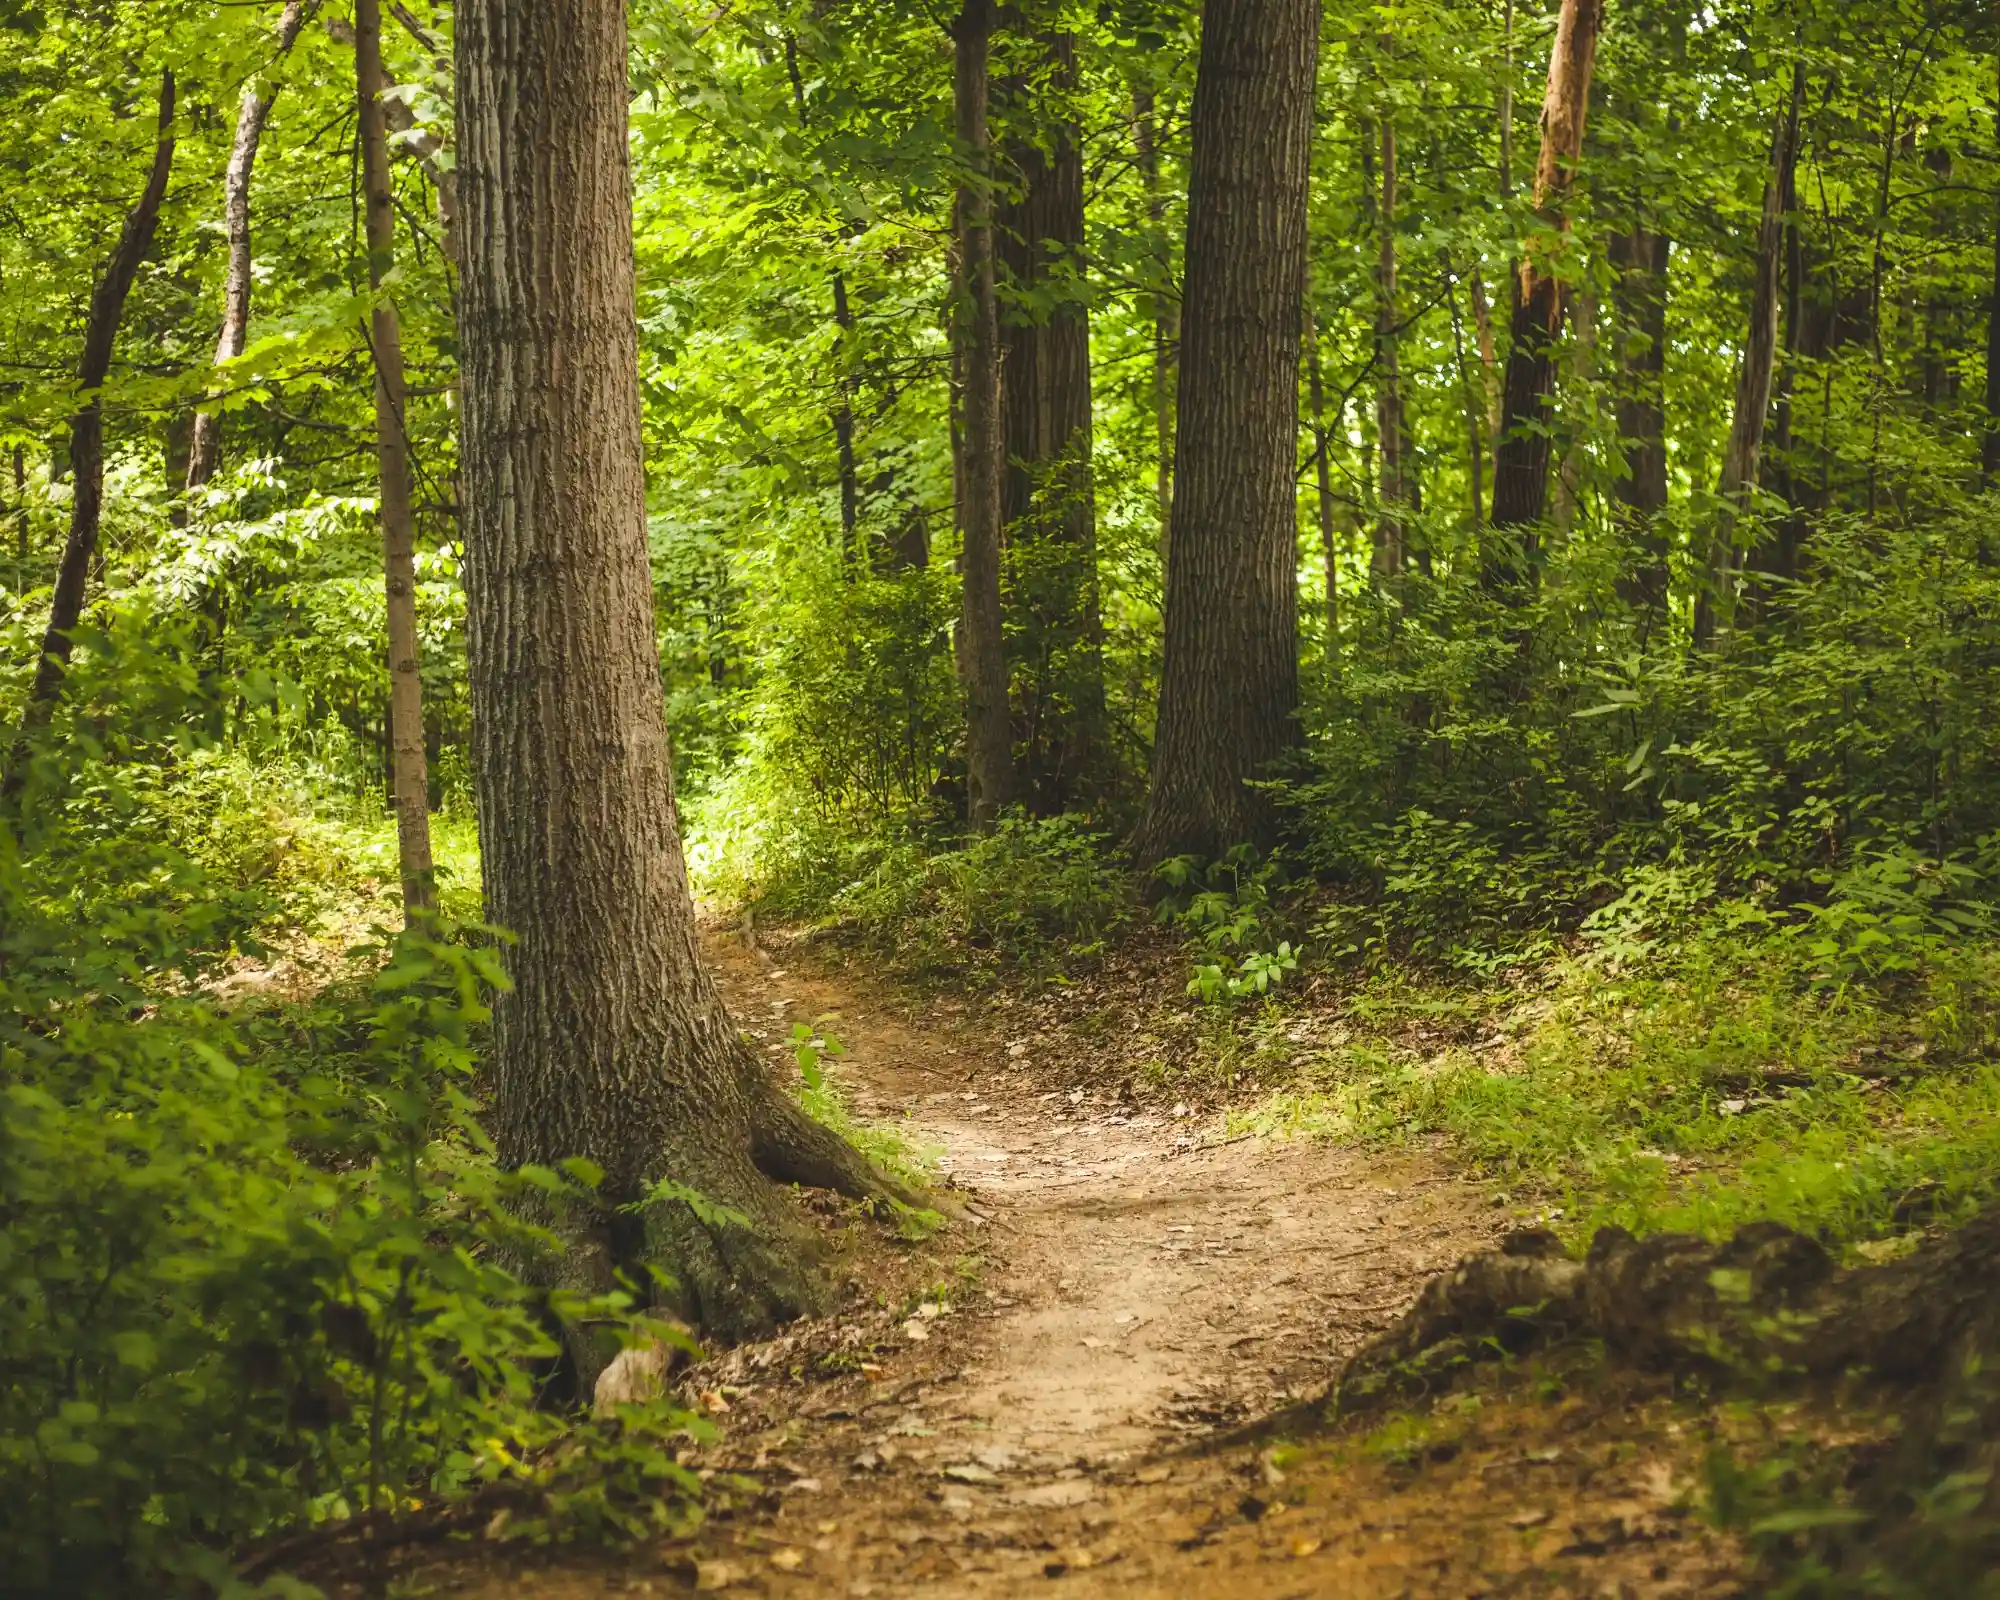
pixel 1096 1381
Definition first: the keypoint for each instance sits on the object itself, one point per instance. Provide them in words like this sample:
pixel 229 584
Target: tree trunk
pixel 1166 310
pixel 982 659
pixel 1046 500
pixel 1323 482
pixel 843 429
pixel 1989 444
pixel 1390 534
pixel 1753 378
pixel 1521 460
pixel 613 1043
pixel 86 442
pixel 409 772
pixel 1639 263
pixel 204 446
pixel 21 520
pixel 1229 677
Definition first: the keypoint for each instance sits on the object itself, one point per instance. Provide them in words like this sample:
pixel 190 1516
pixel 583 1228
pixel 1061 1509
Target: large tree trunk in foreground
pixel 982 657
pixel 408 769
pixel 1521 459
pixel 613 1044
pixel 1745 449
pixel 86 441
pixel 252 110
pixel 1229 679
pixel 1046 501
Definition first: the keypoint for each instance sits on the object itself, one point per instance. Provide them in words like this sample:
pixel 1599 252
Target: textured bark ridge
pixel 614 1044
pixel 1229 676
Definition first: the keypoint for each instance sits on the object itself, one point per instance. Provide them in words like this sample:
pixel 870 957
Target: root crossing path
pixel 1065 1410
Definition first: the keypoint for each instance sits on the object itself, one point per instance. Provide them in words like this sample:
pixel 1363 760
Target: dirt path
pixel 1122 1294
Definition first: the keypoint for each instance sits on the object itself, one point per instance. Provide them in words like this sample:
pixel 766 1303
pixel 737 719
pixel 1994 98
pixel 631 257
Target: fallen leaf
pixel 712 1401
pixel 1304 1547
pixel 1154 1474
pixel 497 1525
pixel 1094 1344
pixel 788 1559
pixel 1530 1519
pixel 712 1575
pixel 916 1332
pixel 971 1472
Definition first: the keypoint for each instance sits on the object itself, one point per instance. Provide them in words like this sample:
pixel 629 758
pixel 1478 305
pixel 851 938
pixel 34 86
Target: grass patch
pixel 1695 1094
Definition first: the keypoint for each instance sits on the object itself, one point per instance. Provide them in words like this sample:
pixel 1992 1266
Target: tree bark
pixel 982 658
pixel 22 551
pixel 613 1043
pixel 86 442
pixel 1047 505
pixel 1753 378
pixel 1166 309
pixel 1229 677
pixel 1639 262
pixel 1521 461
pixel 1390 533
pixel 409 770
pixel 252 110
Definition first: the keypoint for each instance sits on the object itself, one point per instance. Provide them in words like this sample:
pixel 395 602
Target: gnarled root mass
pixel 1767 1307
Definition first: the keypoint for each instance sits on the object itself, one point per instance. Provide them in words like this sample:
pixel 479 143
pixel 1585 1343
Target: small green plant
pixel 1226 908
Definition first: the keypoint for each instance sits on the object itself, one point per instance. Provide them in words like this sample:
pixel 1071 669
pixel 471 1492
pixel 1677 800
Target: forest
pixel 1176 798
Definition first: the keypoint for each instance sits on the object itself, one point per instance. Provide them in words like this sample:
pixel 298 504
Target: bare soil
pixel 1064 1390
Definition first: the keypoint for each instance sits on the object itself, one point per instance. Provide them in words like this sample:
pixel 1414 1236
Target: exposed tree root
pixel 1766 1308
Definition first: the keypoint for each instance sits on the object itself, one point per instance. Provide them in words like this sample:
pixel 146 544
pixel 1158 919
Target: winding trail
pixel 1065 1407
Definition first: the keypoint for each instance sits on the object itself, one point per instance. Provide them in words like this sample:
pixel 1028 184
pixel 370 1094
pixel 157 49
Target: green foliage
pixel 255 1264
pixel 1035 893
pixel 1227 910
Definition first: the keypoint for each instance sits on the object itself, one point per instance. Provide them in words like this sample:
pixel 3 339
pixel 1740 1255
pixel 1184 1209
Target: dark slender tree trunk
pixel 86 442
pixel 22 551
pixel 843 429
pixel 1046 502
pixel 252 110
pixel 1391 532
pixel 1229 678
pixel 1640 258
pixel 1166 310
pixel 1989 444
pixel 982 657
pixel 1754 377
pixel 409 772
pixel 1323 483
pixel 613 1043
pixel 1521 461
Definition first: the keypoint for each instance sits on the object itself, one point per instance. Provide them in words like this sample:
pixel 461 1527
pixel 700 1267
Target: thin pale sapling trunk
pixel 252 111
pixel 409 769
pixel 1166 312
